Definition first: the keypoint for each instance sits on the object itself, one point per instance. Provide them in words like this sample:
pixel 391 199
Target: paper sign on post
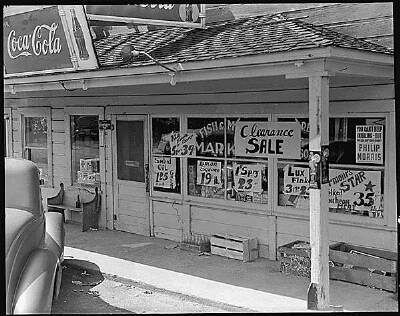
pixel 369 144
pixel 295 180
pixel 268 139
pixel 209 173
pixel 164 172
pixel 247 177
pixel 183 144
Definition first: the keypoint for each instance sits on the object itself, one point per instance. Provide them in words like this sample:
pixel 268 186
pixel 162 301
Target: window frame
pixel 68 112
pixel 340 217
pixel 8 130
pixel 235 205
pixel 161 194
pixel 38 112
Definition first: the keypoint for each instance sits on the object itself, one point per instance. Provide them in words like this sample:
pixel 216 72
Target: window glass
pixel 210 136
pixel 36 144
pixel 166 170
pixel 357 187
pixel 85 157
pixel 206 178
pixel 247 182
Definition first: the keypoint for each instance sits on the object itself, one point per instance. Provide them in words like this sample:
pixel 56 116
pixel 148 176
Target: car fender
pixel 55 234
pixel 35 288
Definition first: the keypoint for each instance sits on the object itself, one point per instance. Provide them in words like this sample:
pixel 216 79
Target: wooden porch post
pixel 318 291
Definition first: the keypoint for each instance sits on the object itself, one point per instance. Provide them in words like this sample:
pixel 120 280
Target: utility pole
pixel 318 291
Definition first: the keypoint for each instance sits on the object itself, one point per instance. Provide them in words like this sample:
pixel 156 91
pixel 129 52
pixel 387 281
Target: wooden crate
pixel 295 261
pixel 365 266
pixel 241 248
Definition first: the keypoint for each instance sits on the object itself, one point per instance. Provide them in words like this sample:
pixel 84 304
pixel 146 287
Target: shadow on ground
pixel 77 295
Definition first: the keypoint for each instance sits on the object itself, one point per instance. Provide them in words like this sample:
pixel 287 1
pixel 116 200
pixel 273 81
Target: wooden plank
pixel 363 261
pixel 57 114
pixel 226 243
pixel 363 277
pixel 173 234
pixel 369 28
pixel 263 251
pixel 166 208
pixel 58 126
pixel 166 220
pixel 59 160
pixel 58 138
pixel 231 217
pixel 226 253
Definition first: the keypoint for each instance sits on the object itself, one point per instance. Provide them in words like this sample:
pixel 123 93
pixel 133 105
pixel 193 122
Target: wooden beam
pixel 318 292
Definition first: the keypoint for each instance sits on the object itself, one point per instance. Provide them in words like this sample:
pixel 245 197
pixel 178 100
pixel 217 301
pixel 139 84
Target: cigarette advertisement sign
pixel 268 139
pixel 247 177
pixel 164 172
pixel 183 144
pixel 296 180
pixel 46 40
pixel 209 173
pixel 354 188
pixel 369 144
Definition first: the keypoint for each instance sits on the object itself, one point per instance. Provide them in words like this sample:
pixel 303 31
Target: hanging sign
pixel 44 40
pixel 369 144
pixel 295 180
pixel 354 189
pixel 164 171
pixel 209 173
pixel 183 15
pixel 183 144
pixel 247 177
pixel 268 139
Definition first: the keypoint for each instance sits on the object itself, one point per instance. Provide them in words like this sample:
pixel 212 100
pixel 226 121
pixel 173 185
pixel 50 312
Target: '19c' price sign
pixel 209 173
pixel 183 145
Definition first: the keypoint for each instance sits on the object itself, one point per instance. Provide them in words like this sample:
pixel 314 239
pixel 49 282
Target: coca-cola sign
pixel 35 41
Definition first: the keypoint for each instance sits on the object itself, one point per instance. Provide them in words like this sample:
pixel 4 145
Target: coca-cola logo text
pixel 42 41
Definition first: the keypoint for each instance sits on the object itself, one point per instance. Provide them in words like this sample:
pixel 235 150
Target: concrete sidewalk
pixel 257 285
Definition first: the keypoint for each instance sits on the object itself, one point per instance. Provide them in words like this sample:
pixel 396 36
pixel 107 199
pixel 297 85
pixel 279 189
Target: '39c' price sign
pixel 209 173
pixel 183 145
pixel 247 177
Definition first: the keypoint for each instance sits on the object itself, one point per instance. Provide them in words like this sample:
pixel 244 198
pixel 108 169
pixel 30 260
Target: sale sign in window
pixel 247 177
pixel 164 172
pixel 209 173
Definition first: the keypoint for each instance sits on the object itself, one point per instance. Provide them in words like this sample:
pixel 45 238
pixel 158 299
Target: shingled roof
pixel 242 37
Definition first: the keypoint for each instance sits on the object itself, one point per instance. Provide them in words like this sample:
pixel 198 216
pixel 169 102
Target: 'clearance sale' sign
pixel 268 139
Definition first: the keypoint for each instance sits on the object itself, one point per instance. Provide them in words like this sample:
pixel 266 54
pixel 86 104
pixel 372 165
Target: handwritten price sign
pixel 296 180
pixel 247 177
pixel 183 145
pixel 164 172
pixel 209 173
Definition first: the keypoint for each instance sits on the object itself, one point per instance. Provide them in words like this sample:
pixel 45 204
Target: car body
pixel 34 242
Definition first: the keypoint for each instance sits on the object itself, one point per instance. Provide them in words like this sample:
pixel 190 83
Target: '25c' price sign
pixel 183 144
pixel 209 173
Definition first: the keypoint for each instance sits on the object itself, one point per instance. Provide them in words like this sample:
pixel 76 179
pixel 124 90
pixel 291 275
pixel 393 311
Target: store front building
pixel 187 159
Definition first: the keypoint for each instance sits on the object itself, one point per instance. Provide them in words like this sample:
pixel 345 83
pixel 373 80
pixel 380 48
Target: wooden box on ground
pixel 365 266
pixel 196 243
pixel 295 258
pixel 240 248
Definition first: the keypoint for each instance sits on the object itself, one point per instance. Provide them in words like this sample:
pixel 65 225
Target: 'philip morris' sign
pixel 267 139
pixel 35 41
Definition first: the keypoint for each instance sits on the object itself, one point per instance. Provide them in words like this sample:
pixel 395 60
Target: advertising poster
pixel 358 189
pixel 268 139
pixel 209 173
pixel 369 144
pixel 295 180
pixel 164 172
pixel 183 144
pixel 247 177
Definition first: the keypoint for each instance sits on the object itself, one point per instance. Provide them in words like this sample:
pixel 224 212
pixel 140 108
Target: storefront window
pixel 356 158
pixel 246 180
pixel 166 169
pixel 35 147
pixel 85 149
